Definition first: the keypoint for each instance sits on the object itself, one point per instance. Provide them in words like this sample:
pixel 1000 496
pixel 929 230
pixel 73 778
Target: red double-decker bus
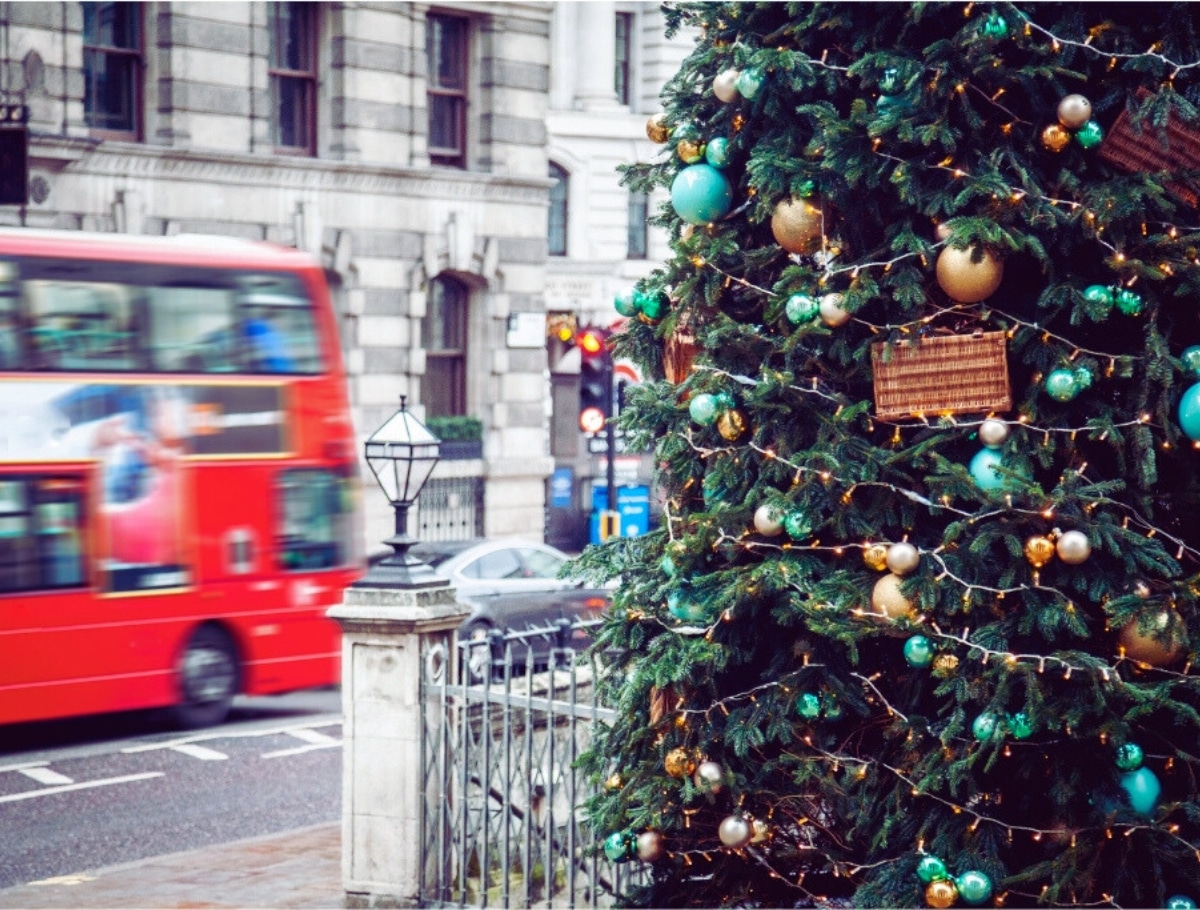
pixel 178 474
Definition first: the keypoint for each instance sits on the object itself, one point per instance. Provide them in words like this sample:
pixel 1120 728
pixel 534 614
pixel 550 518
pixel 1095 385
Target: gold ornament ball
pixel 965 280
pixel 1073 547
pixel 944 665
pixel 831 310
pixel 725 85
pixel 875 556
pixel 797 225
pixel 886 599
pixel 679 763
pixel 1055 138
pixel 760 831
pixel 731 424
pixel 614 782
pixel 1074 111
pixel 656 128
pixel 689 150
pixel 1142 644
pixel 650 846
pixel 1039 550
pixel 902 558
pixel 941 893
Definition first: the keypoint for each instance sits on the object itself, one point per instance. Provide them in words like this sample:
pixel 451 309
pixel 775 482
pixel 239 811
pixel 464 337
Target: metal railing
pixel 501 824
pixel 450 508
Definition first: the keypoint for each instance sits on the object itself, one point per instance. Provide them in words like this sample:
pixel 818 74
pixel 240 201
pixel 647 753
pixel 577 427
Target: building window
pixel 112 69
pixel 623 57
pixel 444 337
pixel 446 48
pixel 293 73
pixel 638 207
pixel 557 230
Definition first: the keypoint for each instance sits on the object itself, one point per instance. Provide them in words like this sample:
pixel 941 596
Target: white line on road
pixel 201 752
pixel 300 750
pixel 21 766
pixel 85 785
pixel 46 776
pixel 311 736
pixel 227 734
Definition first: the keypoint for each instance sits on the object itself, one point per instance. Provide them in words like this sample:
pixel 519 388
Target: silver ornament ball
pixel 709 776
pixel 1074 111
pixel 902 558
pixel 768 521
pixel 831 310
pixel 725 85
pixel 735 831
pixel 993 433
pixel 650 846
pixel 1073 547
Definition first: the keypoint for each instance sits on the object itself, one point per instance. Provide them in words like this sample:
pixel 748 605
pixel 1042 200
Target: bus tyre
pixel 208 679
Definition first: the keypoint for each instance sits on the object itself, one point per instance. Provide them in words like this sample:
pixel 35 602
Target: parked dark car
pixel 512 586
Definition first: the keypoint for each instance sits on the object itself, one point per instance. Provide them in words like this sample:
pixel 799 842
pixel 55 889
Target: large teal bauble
pixel 625 303
pixel 802 308
pixel 651 305
pixel 797 525
pixel 1143 789
pixel 983 470
pixel 985 726
pixel 620 846
pixel 1090 135
pixel 1099 293
pixel 1129 303
pixel 808 705
pixel 683 607
pixel 703 408
pixel 749 81
pixel 700 193
pixel 974 887
pixel 1180 902
pixel 1129 757
pixel 918 651
pixel 1189 412
pixel 931 869
pixel 994 26
pixel 716 152
pixel 1020 726
pixel 1062 385
pixel 1191 360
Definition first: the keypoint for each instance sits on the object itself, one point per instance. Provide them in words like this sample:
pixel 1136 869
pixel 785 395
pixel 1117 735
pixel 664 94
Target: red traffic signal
pixel 591 342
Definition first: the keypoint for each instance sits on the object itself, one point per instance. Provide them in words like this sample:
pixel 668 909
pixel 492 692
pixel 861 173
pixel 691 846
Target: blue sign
pixel 633 505
pixel 562 482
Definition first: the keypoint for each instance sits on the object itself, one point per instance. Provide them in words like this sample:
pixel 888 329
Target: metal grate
pixel 500 823
pixel 450 508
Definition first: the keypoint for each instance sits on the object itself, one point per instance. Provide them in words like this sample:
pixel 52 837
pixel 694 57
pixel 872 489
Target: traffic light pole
pixel 610 438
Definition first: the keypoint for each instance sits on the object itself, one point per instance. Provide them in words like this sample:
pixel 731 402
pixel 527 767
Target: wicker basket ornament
pixel 948 374
pixel 679 351
pixel 1148 149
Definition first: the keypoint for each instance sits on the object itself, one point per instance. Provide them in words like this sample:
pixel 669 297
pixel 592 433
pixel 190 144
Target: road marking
pixel 312 736
pixel 85 785
pixel 226 734
pixel 46 776
pixel 300 750
pixel 21 766
pixel 77 879
pixel 201 752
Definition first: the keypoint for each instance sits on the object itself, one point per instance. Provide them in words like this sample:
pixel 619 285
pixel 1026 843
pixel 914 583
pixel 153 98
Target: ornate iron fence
pixel 450 508
pixel 500 823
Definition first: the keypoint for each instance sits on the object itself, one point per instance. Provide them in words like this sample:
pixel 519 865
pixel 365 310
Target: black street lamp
pixel 402 454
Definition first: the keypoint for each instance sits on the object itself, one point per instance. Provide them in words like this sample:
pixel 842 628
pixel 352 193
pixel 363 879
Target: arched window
pixel 557 230
pixel 444 337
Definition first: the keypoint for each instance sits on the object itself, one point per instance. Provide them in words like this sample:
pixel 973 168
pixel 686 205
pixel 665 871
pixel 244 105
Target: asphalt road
pixel 87 794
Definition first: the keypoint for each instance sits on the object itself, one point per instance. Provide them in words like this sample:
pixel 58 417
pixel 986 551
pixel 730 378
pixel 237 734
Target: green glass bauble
pixel 1143 789
pixel 1191 360
pixel 985 726
pixel 667 566
pixel 749 81
pixel 974 887
pixel 994 26
pixel 700 193
pixel 918 651
pixel 1083 378
pixel 983 470
pixel 802 308
pixel 1090 135
pixel 651 305
pixel 1062 385
pixel 808 705
pixel 1180 902
pixel 1099 293
pixel 797 525
pixel 620 846
pixel 1189 412
pixel 716 152
pixel 931 869
pixel 1129 303
pixel 1021 727
pixel 684 608
pixel 625 303
pixel 1129 757
pixel 703 409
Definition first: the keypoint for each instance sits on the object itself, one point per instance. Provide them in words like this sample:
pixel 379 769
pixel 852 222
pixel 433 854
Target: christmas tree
pixel 918 625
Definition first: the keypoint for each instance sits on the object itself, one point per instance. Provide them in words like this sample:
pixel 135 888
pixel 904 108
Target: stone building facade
pixel 407 146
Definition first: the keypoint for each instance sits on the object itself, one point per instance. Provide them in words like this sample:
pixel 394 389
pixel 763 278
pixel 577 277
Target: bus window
pixel 191 329
pixel 315 511
pixel 40 534
pixel 78 325
pixel 10 335
pixel 276 329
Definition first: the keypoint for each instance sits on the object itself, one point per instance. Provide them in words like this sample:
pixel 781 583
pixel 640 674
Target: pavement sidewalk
pixel 301 869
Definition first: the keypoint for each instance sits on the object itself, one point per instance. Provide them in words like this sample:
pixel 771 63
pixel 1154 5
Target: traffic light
pixel 14 165
pixel 595 380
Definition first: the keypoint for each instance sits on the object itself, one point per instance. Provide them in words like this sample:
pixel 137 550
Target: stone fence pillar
pixel 384 632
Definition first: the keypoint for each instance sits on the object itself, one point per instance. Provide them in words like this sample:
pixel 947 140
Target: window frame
pixel 637 235
pixel 452 396
pixel 277 72
pixel 560 203
pixel 459 96
pixel 623 58
pixel 136 56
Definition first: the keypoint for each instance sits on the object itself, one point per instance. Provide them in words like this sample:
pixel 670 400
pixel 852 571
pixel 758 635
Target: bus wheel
pixel 208 679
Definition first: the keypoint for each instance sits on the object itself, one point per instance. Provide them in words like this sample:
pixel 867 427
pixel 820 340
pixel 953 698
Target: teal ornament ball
pixel 994 26
pixel 1129 303
pixel 1090 135
pixel 1083 378
pixel 1191 360
pixel 985 726
pixel 918 651
pixel 984 471
pixel 974 887
pixel 651 305
pixel 700 193
pixel 808 705
pixel 1062 384
pixel 667 565
pixel 749 81
pixel 620 846
pixel 931 869
pixel 1099 293
pixel 703 409
pixel 716 152
pixel 1180 902
pixel 682 607
pixel 797 525
pixel 625 303
pixel 1129 757
pixel 1143 789
pixel 1189 412
pixel 1020 726
pixel 802 308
